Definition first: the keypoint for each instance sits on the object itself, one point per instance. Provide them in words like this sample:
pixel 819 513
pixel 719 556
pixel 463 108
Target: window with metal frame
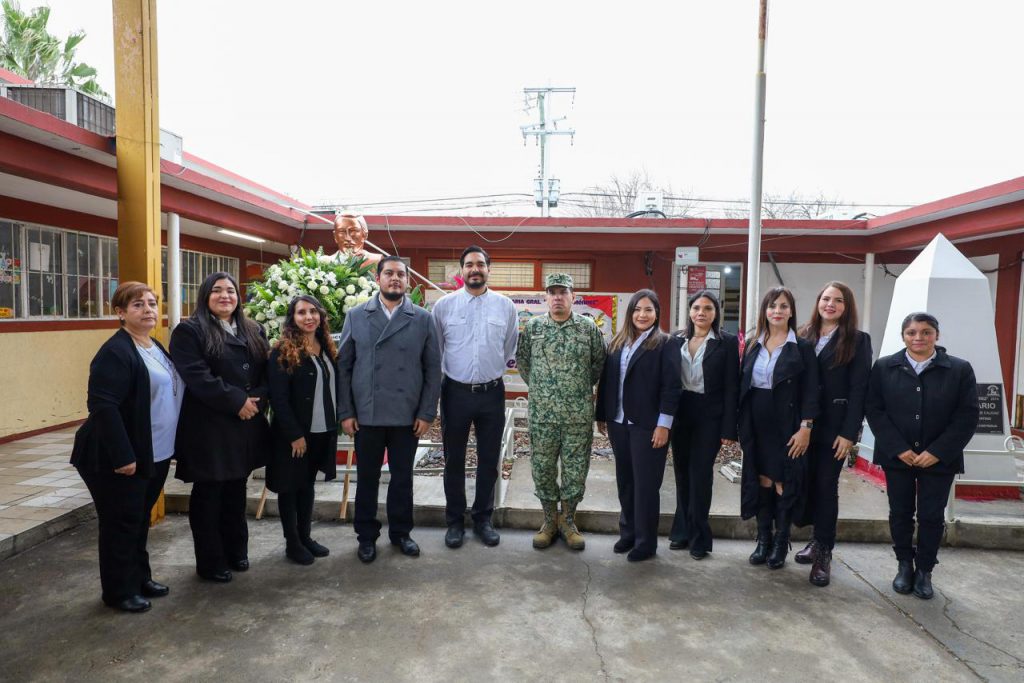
pixel 580 273
pixel 503 275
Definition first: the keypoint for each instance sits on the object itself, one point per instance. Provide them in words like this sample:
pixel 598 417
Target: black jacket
pixel 936 411
pixel 213 443
pixel 291 397
pixel 843 390
pixel 118 430
pixel 795 390
pixel 721 366
pixel 652 385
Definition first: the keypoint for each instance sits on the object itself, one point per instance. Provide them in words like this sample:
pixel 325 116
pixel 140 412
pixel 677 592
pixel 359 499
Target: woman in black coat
pixel 778 404
pixel 637 397
pixel 922 407
pixel 124 449
pixel 304 390
pixel 844 365
pixel 705 419
pixel 222 434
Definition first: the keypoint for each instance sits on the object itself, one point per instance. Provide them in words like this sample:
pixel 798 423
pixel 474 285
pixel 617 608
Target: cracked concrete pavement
pixel 509 613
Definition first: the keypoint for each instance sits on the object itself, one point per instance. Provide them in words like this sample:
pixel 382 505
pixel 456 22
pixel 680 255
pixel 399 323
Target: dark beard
pixel 476 285
pixel 392 296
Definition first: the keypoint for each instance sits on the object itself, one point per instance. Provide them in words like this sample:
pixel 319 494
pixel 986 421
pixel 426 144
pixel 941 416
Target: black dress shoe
pixel 315 549
pixel 152 589
pixel 903 583
pixel 299 554
pixel 133 603
pixel 222 576
pixel 623 545
pixel 454 537
pixel 678 545
pixel 923 585
pixel 241 565
pixel 698 554
pixel 485 531
pixel 367 552
pixel 639 555
pixel 407 546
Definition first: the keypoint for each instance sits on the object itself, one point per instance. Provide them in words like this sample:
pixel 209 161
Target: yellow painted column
pixel 137 119
pixel 138 141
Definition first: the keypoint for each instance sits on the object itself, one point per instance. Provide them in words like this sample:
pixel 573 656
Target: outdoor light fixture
pixel 727 270
pixel 241 236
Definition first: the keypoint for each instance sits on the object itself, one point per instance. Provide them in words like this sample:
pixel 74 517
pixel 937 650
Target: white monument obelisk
pixel 941 281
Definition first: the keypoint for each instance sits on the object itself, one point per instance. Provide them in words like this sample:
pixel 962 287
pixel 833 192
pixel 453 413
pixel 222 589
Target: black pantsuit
pixel 701 422
pixel 371 442
pixel 216 514
pixel 485 411
pixel 843 390
pixel 937 412
pixel 117 433
pixel 639 471
pixel 651 388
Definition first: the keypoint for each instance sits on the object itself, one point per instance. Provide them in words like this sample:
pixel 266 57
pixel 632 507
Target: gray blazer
pixel 389 370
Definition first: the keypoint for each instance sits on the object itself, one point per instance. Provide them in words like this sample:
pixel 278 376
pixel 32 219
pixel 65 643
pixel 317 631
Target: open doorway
pixel 724 279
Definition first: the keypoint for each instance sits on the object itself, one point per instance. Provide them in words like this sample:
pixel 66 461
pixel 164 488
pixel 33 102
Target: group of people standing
pixel 794 400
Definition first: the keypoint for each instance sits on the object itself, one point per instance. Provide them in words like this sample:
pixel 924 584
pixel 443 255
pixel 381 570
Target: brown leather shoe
pixel 806 556
pixel 821 570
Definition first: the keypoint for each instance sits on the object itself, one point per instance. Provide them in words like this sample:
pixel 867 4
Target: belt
pixel 476 388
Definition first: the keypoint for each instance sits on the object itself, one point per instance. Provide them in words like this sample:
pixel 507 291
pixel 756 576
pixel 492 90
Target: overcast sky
pixel 358 102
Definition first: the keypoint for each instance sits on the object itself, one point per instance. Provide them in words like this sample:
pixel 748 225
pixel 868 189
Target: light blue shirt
pixel 919 366
pixel 477 335
pixel 166 391
pixel 823 342
pixel 764 366
pixel 627 353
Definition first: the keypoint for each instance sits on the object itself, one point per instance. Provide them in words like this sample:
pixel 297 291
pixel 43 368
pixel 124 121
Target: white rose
pixel 351 289
pixel 346 309
pixel 280 320
pixel 273 324
pixel 339 291
pixel 324 289
pixel 312 285
pixel 350 301
pixel 363 282
pixel 261 316
pixel 362 298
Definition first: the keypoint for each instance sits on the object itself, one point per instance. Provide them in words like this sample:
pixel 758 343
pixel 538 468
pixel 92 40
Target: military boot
pixel 567 526
pixel 549 530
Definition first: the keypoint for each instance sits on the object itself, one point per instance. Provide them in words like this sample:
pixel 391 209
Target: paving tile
pixel 40 481
pixel 43 465
pixel 44 514
pixel 47 449
pixel 68 492
pixel 16 512
pixel 16 526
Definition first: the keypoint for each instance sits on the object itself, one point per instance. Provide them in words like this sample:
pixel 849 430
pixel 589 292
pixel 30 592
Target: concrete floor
pixel 508 614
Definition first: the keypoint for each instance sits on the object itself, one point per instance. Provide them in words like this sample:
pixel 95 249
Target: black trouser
pixel 370 443
pixel 928 493
pixel 216 513
pixel 296 506
pixel 639 471
pixel 123 506
pixel 823 489
pixel 696 441
pixel 485 410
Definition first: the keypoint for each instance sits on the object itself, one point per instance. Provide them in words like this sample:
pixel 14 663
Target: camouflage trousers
pixel 569 442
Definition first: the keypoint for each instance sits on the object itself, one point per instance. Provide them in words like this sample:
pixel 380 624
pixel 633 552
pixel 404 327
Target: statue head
pixel 350 232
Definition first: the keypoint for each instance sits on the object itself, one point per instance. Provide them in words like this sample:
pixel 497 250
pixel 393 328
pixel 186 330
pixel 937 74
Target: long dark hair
pixel 213 334
pixel 846 328
pixel 293 346
pixel 689 328
pixel 629 333
pixel 762 313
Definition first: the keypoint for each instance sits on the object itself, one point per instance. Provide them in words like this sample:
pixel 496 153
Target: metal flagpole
pixel 754 240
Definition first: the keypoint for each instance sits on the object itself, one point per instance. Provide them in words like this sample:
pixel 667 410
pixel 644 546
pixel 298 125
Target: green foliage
pixel 27 48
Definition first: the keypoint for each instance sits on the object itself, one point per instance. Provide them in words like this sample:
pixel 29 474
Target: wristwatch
pixel 807 424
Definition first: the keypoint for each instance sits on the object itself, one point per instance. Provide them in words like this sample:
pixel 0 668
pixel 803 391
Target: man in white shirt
pixel 477 329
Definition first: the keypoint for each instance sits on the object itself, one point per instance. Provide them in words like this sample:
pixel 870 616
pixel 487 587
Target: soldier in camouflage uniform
pixel 560 357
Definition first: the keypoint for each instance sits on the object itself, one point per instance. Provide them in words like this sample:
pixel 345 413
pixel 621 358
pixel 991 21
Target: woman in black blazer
pixel 778 404
pixel 705 419
pixel 222 434
pixel 844 365
pixel 304 390
pixel 637 397
pixel 124 449
pixel 922 407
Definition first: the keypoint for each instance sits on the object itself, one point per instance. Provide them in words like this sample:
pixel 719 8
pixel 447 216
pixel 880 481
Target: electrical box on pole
pixel 545 189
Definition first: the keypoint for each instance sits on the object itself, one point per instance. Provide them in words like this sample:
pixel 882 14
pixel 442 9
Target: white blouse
pixel 764 366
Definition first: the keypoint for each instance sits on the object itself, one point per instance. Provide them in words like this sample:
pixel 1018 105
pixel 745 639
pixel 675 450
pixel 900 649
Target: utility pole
pixel 545 190
pixel 754 235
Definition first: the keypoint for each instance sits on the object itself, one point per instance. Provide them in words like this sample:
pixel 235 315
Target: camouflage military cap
pixel 558 280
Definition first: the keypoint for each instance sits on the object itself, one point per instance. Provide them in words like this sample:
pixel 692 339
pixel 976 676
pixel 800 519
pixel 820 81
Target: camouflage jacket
pixel 561 363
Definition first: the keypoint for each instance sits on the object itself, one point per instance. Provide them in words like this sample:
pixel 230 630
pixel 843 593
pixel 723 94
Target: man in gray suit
pixel 389 364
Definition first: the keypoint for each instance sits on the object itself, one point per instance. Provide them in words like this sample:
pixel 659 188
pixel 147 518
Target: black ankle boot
pixel 765 513
pixel 904 581
pixel 923 584
pixel 780 544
